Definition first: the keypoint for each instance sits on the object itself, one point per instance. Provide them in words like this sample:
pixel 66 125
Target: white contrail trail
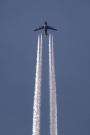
pixel 52 85
pixel 37 93
pixel 54 90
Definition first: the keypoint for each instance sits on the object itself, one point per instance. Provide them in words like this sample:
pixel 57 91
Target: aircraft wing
pixel 51 28
pixel 42 27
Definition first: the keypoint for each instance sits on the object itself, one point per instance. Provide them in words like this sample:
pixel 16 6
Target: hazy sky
pixel 18 46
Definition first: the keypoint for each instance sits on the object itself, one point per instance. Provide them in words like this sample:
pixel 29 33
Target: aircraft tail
pixel 45 35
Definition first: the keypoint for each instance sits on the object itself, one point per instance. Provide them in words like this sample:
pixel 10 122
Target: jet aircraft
pixel 45 27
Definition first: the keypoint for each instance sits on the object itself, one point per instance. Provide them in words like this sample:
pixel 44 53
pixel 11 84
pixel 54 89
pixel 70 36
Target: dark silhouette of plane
pixel 45 27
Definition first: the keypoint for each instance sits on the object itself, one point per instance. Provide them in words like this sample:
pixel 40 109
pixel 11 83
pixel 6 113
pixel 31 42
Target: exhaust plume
pixel 52 87
pixel 37 93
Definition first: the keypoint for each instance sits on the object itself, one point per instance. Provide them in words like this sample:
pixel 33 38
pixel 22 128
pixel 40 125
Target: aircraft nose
pixel 45 22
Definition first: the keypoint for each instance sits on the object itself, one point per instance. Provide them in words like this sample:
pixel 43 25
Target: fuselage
pixel 45 29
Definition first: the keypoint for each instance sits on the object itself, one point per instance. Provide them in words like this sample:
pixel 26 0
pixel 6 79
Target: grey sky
pixel 18 45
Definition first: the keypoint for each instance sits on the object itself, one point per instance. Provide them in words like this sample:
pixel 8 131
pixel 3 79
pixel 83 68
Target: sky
pixel 18 47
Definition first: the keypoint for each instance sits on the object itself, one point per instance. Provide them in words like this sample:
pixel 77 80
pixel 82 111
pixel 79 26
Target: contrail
pixel 52 86
pixel 37 93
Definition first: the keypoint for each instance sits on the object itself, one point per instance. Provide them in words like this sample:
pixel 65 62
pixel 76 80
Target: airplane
pixel 45 27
